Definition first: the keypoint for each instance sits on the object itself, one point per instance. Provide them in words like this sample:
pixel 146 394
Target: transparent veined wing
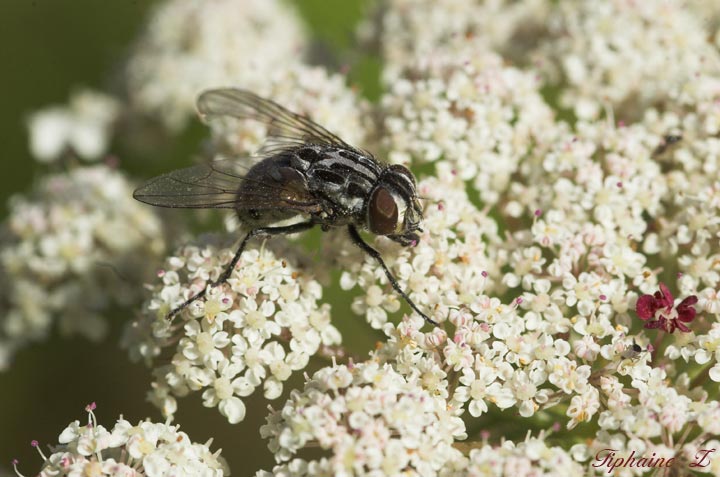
pixel 285 128
pixel 225 184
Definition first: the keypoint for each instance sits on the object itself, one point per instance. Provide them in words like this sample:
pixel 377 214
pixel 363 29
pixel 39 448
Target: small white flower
pixel 583 407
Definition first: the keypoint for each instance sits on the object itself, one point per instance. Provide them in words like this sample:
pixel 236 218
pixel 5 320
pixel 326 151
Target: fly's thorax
pixel 393 208
pixel 343 179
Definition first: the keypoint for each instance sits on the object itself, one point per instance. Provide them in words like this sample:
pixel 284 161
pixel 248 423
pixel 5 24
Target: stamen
pixel 15 463
pixel 36 445
pixel 92 420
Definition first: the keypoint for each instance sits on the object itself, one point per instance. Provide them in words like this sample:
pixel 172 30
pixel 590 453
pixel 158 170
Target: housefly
pixel 303 171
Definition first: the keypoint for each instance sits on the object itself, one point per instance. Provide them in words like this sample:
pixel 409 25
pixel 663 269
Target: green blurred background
pixel 48 48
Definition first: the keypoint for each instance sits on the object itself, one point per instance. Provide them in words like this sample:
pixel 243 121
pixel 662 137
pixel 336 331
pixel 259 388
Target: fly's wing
pixel 223 184
pixel 285 128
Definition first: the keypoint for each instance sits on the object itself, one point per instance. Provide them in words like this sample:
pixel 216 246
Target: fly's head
pixel 393 208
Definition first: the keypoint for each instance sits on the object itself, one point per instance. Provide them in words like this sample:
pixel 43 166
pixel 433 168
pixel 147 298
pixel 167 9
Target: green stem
pixel 703 375
pixel 656 347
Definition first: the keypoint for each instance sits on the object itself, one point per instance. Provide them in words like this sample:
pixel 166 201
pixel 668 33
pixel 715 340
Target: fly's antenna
pixel 428 199
pixel 439 202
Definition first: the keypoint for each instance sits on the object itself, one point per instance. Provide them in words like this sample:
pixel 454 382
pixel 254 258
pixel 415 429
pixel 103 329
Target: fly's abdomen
pixel 274 190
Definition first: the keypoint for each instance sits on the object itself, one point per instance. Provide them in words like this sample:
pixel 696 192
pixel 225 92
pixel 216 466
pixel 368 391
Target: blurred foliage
pixel 47 49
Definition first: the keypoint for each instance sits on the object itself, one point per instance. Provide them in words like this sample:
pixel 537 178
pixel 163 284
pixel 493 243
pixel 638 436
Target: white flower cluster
pixel 146 449
pixel 690 150
pixel 256 329
pixel 190 46
pixel 83 127
pixel 374 420
pixel 76 244
pixel 502 358
pixel 413 29
pixel 626 55
pixel 703 349
pixel 520 355
pixel 529 458
pixel 659 409
pixel 465 106
pixel 595 189
pixel 586 215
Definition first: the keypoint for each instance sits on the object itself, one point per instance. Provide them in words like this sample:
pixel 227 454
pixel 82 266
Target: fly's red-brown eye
pixel 382 212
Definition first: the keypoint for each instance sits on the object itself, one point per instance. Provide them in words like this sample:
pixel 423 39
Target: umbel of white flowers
pixel 147 449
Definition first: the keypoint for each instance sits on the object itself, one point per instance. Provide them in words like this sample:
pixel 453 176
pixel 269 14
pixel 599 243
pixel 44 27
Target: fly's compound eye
pixel 382 212
pixel 402 185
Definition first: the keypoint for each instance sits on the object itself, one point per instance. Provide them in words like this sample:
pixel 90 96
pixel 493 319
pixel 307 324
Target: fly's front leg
pixel 225 275
pixel 357 240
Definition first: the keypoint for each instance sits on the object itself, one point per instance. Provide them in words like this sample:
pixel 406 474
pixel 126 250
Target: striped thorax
pixel 356 188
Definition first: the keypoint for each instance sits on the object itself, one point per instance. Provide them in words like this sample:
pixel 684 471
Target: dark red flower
pixel 658 310
pixel 647 305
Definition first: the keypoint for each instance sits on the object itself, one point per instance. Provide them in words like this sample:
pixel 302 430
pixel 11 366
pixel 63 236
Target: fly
pixel 302 171
pixel 668 141
pixel 632 351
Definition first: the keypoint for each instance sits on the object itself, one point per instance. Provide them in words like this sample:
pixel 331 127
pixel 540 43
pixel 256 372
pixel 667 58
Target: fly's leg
pixel 357 240
pixel 288 229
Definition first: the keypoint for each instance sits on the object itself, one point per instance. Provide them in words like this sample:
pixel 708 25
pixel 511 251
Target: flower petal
pixel 232 408
pixel 686 311
pixel 646 307
pixel 650 325
pixel 668 299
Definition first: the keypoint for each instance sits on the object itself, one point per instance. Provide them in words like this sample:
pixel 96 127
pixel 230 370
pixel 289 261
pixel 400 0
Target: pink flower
pixel 660 310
